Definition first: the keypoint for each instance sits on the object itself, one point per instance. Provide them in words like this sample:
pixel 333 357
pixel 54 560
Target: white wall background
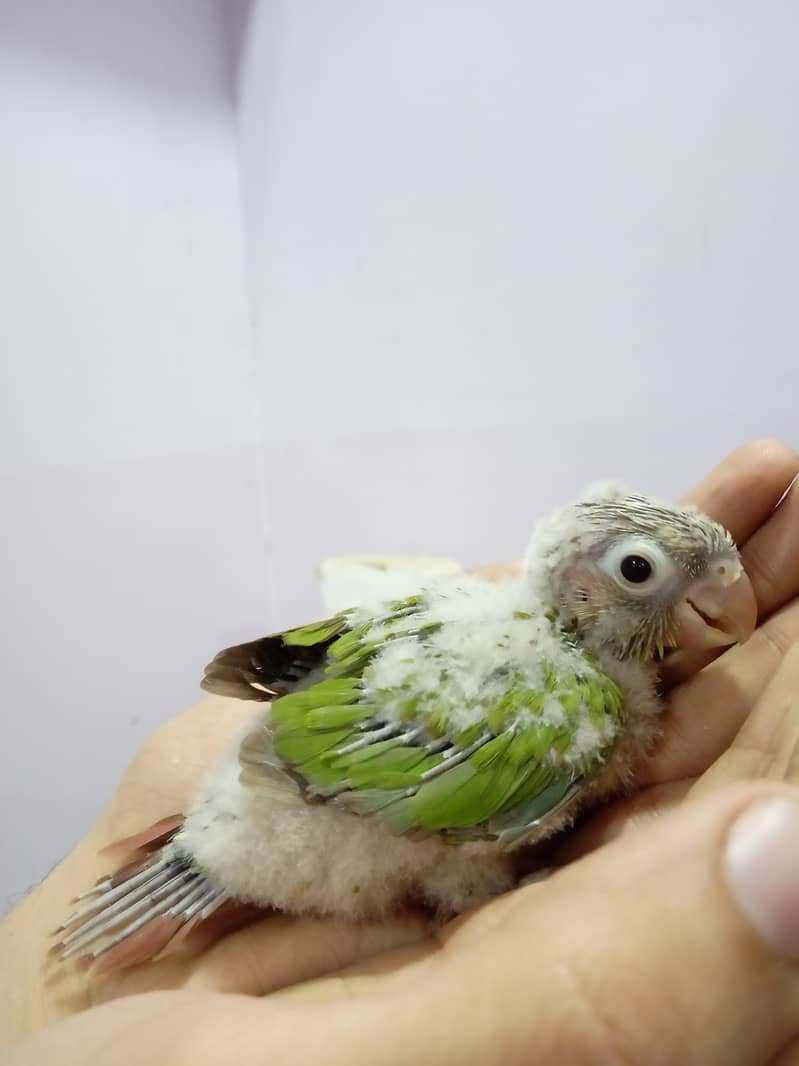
pixel 500 249
pixel 490 252
pixel 132 535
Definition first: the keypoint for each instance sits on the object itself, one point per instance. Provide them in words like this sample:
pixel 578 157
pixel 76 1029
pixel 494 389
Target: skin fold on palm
pixel 729 720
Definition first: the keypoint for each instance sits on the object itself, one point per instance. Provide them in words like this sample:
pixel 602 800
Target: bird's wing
pixel 418 773
pixel 272 666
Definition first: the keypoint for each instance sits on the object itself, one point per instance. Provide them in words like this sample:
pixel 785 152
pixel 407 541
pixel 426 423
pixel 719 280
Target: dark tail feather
pixel 262 669
pixel 134 914
pixel 149 839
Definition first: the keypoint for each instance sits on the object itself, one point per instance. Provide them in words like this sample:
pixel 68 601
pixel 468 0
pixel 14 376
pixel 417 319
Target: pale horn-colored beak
pixel 717 610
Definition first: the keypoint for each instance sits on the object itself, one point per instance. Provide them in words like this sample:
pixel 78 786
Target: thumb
pixel 678 942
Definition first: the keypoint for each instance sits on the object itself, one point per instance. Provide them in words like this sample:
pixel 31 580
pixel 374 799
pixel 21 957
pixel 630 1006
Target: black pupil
pixel 635 568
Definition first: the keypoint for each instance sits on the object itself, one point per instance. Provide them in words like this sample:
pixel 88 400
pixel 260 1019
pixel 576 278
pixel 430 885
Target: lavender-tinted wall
pixel 426 271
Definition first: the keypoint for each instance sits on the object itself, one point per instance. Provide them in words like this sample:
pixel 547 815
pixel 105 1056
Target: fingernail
pixel 761 865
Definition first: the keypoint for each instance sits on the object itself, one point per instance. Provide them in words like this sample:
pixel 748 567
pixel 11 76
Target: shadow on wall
pixel 87 35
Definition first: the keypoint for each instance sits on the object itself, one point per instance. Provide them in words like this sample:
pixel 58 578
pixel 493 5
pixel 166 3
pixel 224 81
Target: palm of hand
pixel 712 735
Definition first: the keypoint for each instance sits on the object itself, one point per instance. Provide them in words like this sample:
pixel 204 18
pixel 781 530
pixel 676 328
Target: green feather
pixel 291 709
pixel 316 632
pixel 524 811
pixel 538 778
pixel 511 779
pixel 344 763
pixel 491 751
pixel 300 745
pixel 335 717
pixel 511 703
pixel 465 795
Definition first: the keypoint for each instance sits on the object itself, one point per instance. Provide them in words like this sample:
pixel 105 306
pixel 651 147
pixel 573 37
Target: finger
pixel 771 560
pixel 621 816
pixel 743 493
pixel 498 571
pixel 148 1028
pixel 165 772
pixel 706 712
pixel 282 951
pixel 687 912
pixel 745 487
pixel 771 556
pixel 767 744
pixel 260 957
pixel 675 943
pixel 789 1056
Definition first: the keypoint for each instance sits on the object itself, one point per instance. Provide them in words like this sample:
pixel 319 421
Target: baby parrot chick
pixel 407 749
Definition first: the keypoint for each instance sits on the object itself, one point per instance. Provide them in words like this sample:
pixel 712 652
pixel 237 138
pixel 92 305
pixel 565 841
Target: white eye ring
pixel 636 581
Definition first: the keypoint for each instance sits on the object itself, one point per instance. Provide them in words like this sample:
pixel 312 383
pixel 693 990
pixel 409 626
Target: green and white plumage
pixel 411 747
pixel 457 711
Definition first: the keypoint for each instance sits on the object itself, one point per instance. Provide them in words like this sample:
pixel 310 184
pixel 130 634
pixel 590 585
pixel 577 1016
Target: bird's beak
pixel 717 610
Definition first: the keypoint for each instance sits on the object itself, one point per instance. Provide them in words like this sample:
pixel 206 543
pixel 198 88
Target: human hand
pixel 677 942
pixel 278 951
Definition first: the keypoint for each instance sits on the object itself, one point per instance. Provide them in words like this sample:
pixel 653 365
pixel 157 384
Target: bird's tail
pixel 131 916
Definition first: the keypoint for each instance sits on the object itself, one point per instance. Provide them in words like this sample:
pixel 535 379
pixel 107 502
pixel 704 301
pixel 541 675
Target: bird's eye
pixel 638 565
pixel 635 569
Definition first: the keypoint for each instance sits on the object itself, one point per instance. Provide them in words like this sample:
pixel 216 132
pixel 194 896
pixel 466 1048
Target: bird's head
pixel 638 577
